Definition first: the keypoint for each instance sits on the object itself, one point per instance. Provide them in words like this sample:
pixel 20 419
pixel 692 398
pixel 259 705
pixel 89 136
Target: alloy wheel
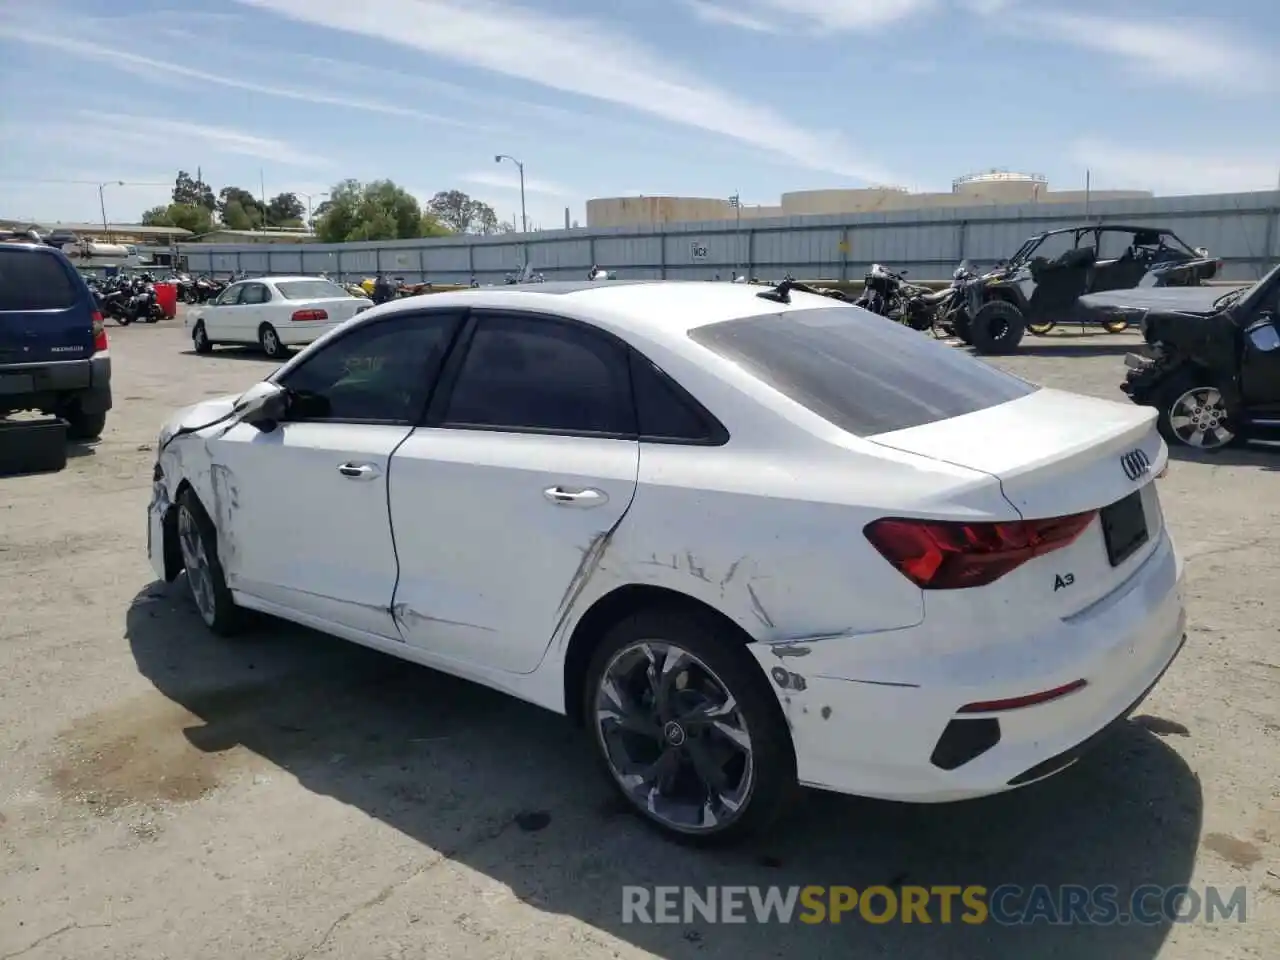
pixel 674 737
pixel 196 561
pixel 1199 419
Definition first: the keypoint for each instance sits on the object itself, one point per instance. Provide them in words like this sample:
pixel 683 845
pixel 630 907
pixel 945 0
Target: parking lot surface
pixel 165 794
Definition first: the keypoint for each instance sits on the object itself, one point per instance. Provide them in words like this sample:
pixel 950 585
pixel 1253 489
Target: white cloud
pixel 148 67
pixel 1172 172
pixel 782 16
pixel 575 56
pixel 511 181
pixel 1203 54
pixel 731 17
pixel 163 132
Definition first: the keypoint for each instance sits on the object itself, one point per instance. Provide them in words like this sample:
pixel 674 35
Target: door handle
pixel 566 497
pixel 358 471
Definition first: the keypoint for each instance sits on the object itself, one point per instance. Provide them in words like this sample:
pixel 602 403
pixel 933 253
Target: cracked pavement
pixel 168 796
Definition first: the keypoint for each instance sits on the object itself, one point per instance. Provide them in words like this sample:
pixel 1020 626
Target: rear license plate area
pixel 1124 528
pixel 17 383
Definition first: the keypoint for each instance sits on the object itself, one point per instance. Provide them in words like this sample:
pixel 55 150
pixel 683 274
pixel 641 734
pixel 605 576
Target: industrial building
pixel 988 188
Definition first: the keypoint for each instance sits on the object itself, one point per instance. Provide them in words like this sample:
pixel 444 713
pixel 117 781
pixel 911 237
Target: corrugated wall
pixel 1239 228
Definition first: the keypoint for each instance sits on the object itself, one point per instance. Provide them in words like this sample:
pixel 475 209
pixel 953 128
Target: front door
pixel 504 505
pixel 1260 360
pixel 302 509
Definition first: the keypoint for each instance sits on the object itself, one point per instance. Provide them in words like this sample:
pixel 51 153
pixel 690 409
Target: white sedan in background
pixel 750 538
pixel 274 312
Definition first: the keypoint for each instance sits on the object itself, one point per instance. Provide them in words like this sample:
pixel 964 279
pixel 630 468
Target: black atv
pixel 1212 365
pixel 1040 286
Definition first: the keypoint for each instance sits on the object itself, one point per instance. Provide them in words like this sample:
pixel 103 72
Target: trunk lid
pixel 46 312
pixel 339 309
pixel 1057 453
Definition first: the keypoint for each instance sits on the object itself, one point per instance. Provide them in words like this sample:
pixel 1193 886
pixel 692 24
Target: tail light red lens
pixel 946 555
pixel 99 333
pixel 309 315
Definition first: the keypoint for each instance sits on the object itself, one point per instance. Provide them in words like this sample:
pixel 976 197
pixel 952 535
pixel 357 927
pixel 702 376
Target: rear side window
pixel 666 413
pixel 35 281
pixel 858 371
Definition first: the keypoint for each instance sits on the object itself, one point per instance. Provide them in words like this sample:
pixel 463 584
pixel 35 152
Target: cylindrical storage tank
pixel 800 203
pixel 1001 186
pixel 628 211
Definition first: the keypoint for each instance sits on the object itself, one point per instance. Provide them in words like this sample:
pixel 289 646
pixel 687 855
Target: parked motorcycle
pixel 890 295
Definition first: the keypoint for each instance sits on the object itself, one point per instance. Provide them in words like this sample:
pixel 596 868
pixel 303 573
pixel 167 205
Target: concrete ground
pixel 164 794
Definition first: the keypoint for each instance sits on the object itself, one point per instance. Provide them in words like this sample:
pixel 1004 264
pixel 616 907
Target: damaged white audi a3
pixel 749 537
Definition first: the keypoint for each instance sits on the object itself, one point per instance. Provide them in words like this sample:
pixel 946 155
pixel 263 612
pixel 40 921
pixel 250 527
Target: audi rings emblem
pixel 1135 463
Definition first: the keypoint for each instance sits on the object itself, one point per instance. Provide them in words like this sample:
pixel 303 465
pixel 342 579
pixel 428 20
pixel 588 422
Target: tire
pixel 755 767
pixel 269 340
pixel 200 341
pixel 1042 327
pixel 1116 326
pixel 998 328
pixel 84 426
pixel 962 328
pixel 1185 403
pixel 198 545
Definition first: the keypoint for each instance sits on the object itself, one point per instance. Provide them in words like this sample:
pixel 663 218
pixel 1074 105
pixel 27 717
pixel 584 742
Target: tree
pixel 285 209
pixel 431 227
pixel 157 217
pixel 238 204
pixel 188 216
pixel 462 214
pixel 195 193
pixel 379 210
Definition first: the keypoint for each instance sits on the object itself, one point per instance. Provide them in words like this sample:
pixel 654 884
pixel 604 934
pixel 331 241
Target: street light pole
pixel 524 220
pixel 310 225
pixel 736 202
pixel 102 206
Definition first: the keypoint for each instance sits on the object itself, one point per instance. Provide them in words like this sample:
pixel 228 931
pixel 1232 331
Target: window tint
pixel 255 293
pixel 540 373
pixel 381 371
pixel 34 281
pixel 310 289
pixel 865 374
pixel 665 411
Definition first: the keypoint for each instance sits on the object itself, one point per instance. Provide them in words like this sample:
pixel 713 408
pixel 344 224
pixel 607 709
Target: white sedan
pixel 750 538
pixel 274 312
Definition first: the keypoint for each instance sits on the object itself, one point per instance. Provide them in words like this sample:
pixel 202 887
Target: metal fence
pixel 1240 229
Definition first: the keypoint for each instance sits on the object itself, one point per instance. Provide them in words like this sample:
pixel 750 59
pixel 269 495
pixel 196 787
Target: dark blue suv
pixel 53 345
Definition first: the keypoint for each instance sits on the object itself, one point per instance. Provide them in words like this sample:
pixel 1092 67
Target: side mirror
pixel 1264 336
pixel 263 405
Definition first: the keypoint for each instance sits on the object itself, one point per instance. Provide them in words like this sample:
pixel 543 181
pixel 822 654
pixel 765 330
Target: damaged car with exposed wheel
pixel 748 538
pixel 1212 363
pixel 1039 287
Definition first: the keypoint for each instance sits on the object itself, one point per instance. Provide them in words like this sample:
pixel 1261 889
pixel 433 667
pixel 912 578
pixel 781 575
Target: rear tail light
pixel 99 333
pixel 946 555
pixel 309 315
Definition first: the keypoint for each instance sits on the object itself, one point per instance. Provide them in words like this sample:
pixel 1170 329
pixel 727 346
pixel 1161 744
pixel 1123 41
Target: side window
pixel 255 293
pixel 538 373
pixel 1114 244
pixel 230 295
pixel 379 372
pixel 667 413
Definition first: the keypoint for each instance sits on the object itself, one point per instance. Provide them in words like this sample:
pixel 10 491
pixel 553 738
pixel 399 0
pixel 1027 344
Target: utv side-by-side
pixel 1040 285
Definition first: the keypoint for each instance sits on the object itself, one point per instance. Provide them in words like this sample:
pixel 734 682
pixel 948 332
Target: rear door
pixel 46 310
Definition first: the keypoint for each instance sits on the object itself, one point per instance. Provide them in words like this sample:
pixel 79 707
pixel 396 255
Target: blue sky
pixel 689 97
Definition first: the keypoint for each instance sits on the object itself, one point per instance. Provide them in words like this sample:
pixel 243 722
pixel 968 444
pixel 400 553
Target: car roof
pixel 282 279
pixel 653 307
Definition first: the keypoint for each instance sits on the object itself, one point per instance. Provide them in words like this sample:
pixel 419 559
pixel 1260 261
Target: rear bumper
pixel 304 332
pixel 49 386
pixel 902 736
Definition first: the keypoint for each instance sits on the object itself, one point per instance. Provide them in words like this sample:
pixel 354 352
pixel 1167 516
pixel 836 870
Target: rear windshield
pixel 310 290
pixel 30 280
pixel 859 371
